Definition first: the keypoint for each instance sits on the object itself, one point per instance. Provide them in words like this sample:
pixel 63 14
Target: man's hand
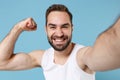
pixel 27 24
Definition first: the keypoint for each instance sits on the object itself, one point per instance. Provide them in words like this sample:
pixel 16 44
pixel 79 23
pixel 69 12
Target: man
pixel 65 60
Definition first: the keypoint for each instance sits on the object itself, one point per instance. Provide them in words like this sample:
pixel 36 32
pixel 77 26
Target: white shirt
pixel 69 71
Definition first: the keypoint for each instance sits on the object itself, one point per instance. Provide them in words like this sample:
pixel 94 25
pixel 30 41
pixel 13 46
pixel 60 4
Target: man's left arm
pixel 105 54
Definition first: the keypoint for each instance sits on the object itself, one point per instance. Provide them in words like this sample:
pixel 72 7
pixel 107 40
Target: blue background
pixel 91 17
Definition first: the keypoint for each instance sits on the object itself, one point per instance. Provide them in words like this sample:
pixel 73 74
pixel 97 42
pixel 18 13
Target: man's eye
pixel 65 26
pixel 52 27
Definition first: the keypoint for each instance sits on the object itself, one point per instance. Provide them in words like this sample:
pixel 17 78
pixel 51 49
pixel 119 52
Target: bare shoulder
pixel 37 55
pixel 81 58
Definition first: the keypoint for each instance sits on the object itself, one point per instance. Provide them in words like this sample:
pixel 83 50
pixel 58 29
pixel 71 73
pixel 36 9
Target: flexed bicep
pixel 22 61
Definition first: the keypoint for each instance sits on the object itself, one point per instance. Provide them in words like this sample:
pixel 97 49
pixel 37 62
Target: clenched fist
pixel 27 24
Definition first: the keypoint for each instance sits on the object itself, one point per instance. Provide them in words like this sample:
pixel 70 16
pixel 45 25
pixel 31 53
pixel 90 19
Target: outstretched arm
pixel 105 54
pixel 11 61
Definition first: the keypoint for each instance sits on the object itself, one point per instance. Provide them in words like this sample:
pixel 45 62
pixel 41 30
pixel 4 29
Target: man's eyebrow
pixel 51 24
pixel 66 24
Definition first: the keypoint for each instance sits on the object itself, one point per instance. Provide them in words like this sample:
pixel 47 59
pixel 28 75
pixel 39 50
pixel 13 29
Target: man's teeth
pixel 58 40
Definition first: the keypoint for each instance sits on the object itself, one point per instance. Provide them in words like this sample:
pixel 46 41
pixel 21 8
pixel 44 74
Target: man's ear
pixel 45 29
pixel 72 28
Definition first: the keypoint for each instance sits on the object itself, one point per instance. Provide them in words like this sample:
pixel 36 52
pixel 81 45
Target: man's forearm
pixel 7 45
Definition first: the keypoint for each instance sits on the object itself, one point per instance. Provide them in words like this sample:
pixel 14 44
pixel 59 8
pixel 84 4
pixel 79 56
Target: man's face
pixel 59 30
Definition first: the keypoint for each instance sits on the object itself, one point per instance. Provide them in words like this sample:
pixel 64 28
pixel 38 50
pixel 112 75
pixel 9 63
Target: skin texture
pixel 103 55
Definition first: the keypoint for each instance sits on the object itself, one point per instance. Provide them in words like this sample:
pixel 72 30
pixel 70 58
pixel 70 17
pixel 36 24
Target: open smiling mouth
pixel 59 40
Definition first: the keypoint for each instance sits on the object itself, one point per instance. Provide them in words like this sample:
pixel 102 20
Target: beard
pixel 59 47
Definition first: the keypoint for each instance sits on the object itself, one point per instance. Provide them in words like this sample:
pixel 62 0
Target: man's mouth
pixel 59 40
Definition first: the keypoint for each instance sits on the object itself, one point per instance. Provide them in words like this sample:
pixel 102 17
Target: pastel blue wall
pixel 91 17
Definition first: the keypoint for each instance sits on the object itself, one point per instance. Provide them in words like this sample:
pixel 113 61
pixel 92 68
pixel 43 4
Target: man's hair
pixel 58 7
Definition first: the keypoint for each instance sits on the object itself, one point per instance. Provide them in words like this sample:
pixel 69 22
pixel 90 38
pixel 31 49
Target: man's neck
pixel 60 57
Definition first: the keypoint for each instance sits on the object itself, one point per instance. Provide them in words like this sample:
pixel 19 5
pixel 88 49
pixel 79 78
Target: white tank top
pixel 69 71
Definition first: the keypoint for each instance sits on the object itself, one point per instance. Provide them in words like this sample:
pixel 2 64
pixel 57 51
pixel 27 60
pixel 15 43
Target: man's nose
pixel 59 32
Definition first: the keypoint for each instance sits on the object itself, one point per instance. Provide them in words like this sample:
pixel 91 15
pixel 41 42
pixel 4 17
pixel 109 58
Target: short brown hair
pixel 58 7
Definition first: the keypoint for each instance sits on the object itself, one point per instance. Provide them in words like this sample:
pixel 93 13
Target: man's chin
pixel 59 47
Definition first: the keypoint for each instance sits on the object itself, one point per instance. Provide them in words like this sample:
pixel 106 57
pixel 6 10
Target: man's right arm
pixel 11 61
